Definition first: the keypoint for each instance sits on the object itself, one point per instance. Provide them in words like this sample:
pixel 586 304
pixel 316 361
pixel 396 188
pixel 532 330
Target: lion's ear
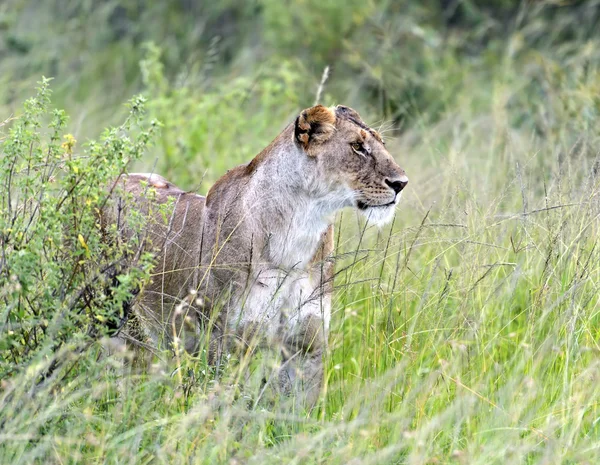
pixel 343 110
pixel 314 126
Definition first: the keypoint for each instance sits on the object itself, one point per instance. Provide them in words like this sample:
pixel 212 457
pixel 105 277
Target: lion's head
pixel 351 158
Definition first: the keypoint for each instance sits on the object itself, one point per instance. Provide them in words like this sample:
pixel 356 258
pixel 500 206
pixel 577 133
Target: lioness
pixel 252 261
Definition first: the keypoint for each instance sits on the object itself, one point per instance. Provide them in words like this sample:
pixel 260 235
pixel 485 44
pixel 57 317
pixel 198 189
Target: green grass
pixel 468 332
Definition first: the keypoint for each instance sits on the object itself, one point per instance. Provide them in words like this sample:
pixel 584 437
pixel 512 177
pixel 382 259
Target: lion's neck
pixel 293 210
pixel 293 238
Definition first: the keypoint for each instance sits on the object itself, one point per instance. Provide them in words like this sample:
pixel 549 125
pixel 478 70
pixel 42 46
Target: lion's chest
pixel 295 249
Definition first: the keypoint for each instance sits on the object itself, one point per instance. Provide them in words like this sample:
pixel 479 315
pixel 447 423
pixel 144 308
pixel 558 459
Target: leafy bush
pixel 64 281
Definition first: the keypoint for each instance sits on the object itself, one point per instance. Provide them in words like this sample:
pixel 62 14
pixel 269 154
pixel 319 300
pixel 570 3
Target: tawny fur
pixel 252 261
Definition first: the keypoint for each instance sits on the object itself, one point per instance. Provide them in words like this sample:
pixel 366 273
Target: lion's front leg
pixel 301 377
pixel 304 343
pixel 288 312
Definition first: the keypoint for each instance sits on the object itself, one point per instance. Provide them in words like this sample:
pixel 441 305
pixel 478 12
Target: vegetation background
pixel 467 332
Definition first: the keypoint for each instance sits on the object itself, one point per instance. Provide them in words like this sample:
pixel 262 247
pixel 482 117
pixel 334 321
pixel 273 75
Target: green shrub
pixel 64 281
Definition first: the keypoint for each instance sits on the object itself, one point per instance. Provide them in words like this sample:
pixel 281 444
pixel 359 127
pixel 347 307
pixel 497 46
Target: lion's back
pixel 169 225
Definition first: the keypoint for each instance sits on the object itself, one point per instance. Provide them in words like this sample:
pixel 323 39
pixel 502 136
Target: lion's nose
pixel 397 184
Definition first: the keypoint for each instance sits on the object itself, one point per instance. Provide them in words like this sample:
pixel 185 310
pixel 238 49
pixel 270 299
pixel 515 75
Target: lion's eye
pixel 358 147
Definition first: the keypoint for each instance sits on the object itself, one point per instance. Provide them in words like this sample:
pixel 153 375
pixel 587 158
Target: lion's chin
pixel 380 215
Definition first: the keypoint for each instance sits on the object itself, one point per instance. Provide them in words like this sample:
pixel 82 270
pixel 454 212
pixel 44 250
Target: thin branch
pixel 324 78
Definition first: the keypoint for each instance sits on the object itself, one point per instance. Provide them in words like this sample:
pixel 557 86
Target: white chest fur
pixel 278 301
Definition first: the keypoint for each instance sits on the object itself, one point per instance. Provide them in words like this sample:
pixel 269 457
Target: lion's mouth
pixel 363 206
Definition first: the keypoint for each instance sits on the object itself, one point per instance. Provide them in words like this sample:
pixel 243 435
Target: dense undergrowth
pixel 466 332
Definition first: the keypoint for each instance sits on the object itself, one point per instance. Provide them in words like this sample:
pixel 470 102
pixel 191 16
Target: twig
pixel 324 78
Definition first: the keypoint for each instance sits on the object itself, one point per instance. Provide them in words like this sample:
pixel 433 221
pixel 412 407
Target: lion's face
pixel 352 158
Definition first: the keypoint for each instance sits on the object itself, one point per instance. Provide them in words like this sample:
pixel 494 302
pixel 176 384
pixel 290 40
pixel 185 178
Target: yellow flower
pixel 82 242
pixel 69 143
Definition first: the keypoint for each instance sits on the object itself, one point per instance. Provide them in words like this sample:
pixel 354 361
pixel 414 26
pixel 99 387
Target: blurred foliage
pixel 385 55
pixel 212 118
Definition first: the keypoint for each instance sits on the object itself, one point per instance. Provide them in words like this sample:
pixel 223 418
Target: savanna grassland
pixel 465 332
